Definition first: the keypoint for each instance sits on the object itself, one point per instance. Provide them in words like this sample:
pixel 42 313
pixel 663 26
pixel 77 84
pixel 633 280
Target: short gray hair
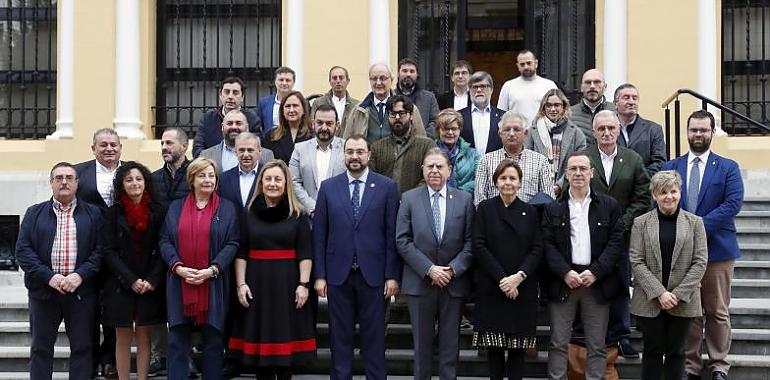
pixel 105 131
pixel 511 114
pixel 248 136
pixel 480 76
pixel 665 179
pixel 605 114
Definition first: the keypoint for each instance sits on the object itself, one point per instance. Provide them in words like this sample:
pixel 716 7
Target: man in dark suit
pixel 237 184
pixel 583 234
pixel 481 119
pixel 433 237
pixel 713 190
pixel 458 96
pixel 57 250
pixel 643 136
pixel 356 263
pixel 223 154
pixel 267 107
pixel 231 94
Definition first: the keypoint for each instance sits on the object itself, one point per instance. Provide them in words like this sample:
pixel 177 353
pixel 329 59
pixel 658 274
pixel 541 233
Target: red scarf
pixel 138 217
pixel 194 230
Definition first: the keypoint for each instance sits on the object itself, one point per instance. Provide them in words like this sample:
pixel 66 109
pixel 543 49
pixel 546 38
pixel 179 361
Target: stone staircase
pixel 750 313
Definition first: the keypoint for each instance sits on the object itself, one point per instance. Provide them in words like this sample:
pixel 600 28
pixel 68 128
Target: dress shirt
pixel 276 112
pixel 229 159
pixel 704 158
pixel 322 160
pixel 441 206
pixel 624 128
pixel 247 180
pixel 480 124
pixel 64 250
pixel 461 101
pixel 608 162
pixel 104 179
pixel 361 186
pixel 538 175
pixel 580 234
pixel 339 105
pixel 376 102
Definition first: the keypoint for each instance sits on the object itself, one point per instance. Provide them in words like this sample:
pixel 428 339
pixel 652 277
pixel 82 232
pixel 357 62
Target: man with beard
pixel 268 106
pixel 399 155
pixel 424 100
pixel 643 136
pixel 592 86
pixel 338 96
pixel 714 191
pixel 524 93
pixel 315 160
pixel 171 180
pixel 458 97
pixel 237 184
pixel 538 173
pixel 223 154
pixel 369 118
pixel 480 120
pixel 231 95
pixel 355 259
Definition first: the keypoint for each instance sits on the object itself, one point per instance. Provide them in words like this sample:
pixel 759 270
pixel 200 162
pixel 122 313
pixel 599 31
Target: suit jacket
pixel 606 226
pixel 420 248
pixel 230 186
pixel 646 139
pixel 719 201
pixel 265 112
pixel 493 142
pixel 87 190
pixel 361 122
pixel 688 264
pixel 337 237
pixel 572 140
pixel 304 171
pixel 209 131
pixel 215 154
pixel 447 100
pixel 405 167
pixel 350 105
pixel 36 236
pixel 628 183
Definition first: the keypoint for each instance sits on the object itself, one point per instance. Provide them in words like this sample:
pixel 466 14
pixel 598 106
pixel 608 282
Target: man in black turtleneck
pixel 424 100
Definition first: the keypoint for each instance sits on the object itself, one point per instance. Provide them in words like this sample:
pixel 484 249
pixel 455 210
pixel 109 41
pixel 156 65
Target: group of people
pixel 440 199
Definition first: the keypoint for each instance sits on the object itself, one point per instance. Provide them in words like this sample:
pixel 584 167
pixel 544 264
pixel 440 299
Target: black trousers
pixel 499 368
pixel 664 337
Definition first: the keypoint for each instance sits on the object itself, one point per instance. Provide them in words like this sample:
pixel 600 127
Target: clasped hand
pixel 510 285
pixel 668 300
pixel 440 276
pixel 575 280
pixel 194 276
pixel 142 286
pixel 65 284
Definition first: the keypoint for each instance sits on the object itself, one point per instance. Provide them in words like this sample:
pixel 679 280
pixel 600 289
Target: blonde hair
pixel 665 179
pixel 198 165
pixel 447 117
pixel 295 208
pixel 567 111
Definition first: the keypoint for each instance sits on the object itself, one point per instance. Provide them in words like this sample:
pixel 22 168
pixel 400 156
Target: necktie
pixel 381 111
pixel 693 186
pixel 355 201
pixel 436 215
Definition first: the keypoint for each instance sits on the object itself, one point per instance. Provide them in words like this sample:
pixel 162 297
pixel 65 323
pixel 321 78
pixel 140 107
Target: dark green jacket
pixel 404 168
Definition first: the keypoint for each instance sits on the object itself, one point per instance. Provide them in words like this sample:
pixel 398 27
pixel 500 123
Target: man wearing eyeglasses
pixel 480 120
pixel 369 118
pixel 400 154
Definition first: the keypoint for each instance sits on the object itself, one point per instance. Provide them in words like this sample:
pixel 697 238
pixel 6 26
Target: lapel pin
pixel 523 213
pixel 713 163
pixel 621 160
pixel 371 185
pixel 450 196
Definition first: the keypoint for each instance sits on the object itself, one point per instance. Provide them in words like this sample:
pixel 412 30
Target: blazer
pixel 719 201
pixel 209 131
pixel 646 139
pixel 304 171
pixel 215 154
pixel 688 264
pixel 337 237
pixel 230 186
pixel 405 167
pixel 33 247
pixel 606 226
pixel 493 143
pixel 87 190
pixel 265 112
pixel 223 244
pixel 628 182
pixel 572 140
pixel 360 120
pixel 350 105
pixel 447 100
pixel 420 248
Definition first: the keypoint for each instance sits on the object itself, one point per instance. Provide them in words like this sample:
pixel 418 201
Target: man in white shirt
pixel 458 96
pixel 223 154
pixel 481 119
pixel 237 184
pixel 338 96
pixel 524 93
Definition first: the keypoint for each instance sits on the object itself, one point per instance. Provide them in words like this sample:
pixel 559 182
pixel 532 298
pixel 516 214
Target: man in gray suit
pixel 643 136
pixel 317 159
pixel 433 236
pixel 223 154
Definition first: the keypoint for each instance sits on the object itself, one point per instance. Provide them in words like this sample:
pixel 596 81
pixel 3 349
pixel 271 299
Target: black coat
pixel 505 241
pixel 120 305
pixel 606 225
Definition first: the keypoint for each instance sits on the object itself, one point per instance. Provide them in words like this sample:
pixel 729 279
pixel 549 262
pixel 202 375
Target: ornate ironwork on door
pixel 746 64
pixel 27 68
pixel 200 42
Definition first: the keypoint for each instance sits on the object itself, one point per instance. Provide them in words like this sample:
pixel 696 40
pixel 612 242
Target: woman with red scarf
pixel 132 300
pixel 198 241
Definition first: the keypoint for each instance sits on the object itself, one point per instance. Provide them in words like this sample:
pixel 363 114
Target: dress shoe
pixel 109 371
pixel 627 350
pixel 689 376
pixel 718 375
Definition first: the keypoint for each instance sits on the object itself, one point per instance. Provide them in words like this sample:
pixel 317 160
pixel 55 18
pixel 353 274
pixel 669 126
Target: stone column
pixel 295 44
pixel 707 56
pixel 379 31
pixel 65 71
pixel 127 120
pixel 615 44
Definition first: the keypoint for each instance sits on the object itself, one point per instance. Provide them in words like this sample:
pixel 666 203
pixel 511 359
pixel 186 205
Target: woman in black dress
pixel 507 248
pixel 293 127
pixel 274 327
pixel 133 300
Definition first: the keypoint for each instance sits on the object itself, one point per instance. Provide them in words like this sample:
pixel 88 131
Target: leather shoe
pixel 689 376
pixel 718 375
pixel 627 350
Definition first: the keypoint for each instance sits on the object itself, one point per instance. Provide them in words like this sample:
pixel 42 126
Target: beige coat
pixel 358 123
pixel 688 264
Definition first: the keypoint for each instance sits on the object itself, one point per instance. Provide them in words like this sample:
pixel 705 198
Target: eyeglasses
pixel 397 114
pixel 451 129
pixel 553 106
pixel 480 87
pixel 62 178
pixel 434 166
pixel 381 78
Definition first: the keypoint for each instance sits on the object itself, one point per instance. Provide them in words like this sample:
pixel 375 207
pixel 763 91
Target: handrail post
pixel 668 134
pixel 677 128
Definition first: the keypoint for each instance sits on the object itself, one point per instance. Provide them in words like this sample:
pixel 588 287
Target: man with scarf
pixel 424 100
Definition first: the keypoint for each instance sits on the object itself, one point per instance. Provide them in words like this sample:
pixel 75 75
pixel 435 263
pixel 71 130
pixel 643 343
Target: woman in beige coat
pixel 668 258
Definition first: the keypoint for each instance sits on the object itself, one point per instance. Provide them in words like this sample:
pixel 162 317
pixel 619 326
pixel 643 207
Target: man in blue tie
pixel 356 263
pixel 713 191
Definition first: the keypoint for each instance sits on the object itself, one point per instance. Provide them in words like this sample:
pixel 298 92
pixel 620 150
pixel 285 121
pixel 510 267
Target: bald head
pixel 592 86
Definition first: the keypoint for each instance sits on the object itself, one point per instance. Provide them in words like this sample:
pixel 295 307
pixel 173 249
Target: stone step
pixel 750 288
pixel 753 218
pixel 754 251
pixel 757 269
pixel 750 313
pixel 756 204
pixel 753 235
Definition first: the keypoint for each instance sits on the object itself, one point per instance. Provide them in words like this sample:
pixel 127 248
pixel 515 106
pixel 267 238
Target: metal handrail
pixel 708 101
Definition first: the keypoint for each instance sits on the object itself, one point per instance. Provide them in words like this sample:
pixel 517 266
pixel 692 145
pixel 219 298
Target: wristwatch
pixel 305 284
